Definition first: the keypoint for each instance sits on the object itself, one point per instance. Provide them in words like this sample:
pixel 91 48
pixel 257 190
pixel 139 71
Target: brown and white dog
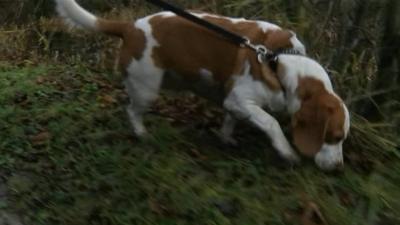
pixel 209 65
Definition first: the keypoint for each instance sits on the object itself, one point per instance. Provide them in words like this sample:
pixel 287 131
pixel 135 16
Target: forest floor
pixel 68 156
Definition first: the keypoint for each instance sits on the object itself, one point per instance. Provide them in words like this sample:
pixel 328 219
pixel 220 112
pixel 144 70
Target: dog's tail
pixel 76 16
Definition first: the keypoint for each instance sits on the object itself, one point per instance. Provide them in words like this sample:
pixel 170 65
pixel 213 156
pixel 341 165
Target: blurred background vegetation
pixel 358 42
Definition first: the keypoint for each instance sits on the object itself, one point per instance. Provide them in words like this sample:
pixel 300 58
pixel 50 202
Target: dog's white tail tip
pixel 75 16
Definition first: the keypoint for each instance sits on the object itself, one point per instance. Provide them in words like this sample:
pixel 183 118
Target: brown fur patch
pixel 186 48
pixel 134 40
pixel 133 46
pixel 112 27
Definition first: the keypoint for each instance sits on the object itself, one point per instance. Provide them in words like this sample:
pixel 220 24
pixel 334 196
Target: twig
pixel 371 94
pixel 13 31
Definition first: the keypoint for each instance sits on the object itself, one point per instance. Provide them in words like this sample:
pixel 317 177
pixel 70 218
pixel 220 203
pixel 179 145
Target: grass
pixel 69 157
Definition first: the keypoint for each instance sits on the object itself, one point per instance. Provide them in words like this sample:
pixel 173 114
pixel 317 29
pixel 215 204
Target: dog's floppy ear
pixel 320 119
pixel 309 126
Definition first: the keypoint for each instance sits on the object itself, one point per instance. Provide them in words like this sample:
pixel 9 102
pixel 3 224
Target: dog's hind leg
pixel 135 114
pixel 142 85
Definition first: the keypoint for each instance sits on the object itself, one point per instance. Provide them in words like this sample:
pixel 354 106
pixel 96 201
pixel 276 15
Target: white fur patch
pixel 233 20
pixel 166 14
pixel 201 15
pixel 144 73
pixel 74 15
pixel 144 25
pixel 297 45
pixel 245 101
pixel 299 66
pixel 254 92
pixel 330 156
pixel 265 26
pixel 346 120
pixel 144 79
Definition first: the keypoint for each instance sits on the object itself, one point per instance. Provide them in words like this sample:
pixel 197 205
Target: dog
pixel 165 50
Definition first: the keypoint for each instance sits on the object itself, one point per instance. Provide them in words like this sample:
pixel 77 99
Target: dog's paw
pixel 292 158
pixel 287 152
pixel 231 142
pixel 228 140
pixel 141 133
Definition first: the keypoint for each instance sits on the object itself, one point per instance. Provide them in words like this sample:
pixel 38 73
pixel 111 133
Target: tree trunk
pixel 353 18
pixel 388 76
pixel 292 10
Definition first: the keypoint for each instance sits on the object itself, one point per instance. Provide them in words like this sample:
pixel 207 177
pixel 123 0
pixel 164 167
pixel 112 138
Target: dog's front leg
pixel 226 131
pixel 258 117
pixel 271 127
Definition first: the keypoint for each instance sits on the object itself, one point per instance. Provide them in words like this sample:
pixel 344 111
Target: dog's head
pixel 320 119
pixel 319 128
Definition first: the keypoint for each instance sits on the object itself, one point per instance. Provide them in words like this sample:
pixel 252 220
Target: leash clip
pixel 260 50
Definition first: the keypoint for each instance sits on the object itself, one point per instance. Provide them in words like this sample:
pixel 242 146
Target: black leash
pixel 261 50
pixel 237 39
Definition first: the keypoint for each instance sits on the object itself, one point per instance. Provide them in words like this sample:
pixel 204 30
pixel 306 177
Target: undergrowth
pixel 69 157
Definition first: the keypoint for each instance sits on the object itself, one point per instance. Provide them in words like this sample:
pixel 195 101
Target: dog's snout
pixel 336 168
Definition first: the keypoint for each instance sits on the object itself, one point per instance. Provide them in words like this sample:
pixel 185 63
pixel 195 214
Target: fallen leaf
pixel 159 208
pixel 40 138
pixel 20 97
pixel 289 216
pixel 346 199
pixel 107 100
pixel 40 80
pixel 196 154
pixel 312 215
